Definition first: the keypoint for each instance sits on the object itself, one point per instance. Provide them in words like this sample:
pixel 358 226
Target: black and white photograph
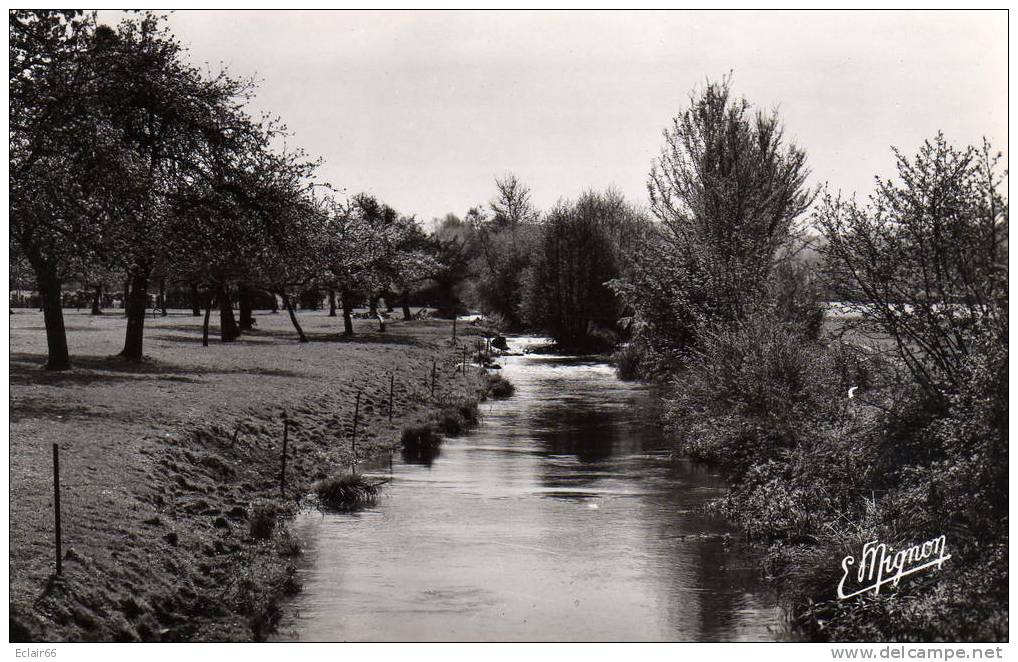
pixel 488 326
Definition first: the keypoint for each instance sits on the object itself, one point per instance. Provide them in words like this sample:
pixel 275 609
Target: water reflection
pixel 564 516
pixel 424 456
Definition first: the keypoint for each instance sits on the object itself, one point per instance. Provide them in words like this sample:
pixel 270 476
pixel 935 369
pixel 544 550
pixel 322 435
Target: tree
pixel 925 262
pixel 358 237
pixel 297 255
pixel 249 222
pixel 53 146
pixel 583 246
pixel 410 260
pixel 505 242
pixel 728 192
pixel 451 242
pixel 175 125
pixel 512 206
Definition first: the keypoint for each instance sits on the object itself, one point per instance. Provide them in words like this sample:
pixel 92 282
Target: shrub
pixel 499 386
pixel 745 395
pixel 263 519
pixel 455 417
pixel 626 360
pixel 448 420
pixel 346 492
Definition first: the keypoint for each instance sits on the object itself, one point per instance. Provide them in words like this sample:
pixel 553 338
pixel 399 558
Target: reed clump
pixel 264 515
pixel 499 386
pixel 346 492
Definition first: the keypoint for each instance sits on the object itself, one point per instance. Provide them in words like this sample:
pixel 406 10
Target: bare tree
pixel 512 205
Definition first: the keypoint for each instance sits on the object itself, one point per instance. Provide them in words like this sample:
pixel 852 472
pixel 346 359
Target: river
pixel 563 516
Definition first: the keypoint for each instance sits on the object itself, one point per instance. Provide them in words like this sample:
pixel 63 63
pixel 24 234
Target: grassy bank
pixel 173 519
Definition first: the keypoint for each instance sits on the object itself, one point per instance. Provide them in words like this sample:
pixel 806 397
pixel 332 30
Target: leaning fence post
pixel 56 506
pixel 282 467
pixel 353 437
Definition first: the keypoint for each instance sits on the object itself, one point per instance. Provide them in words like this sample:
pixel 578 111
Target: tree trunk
pixel 228 331
pixel 347 302
pixel 53 314
pixel 195 301
pixel 406 306
pixel 208 313
pixel 373 306
pixel 137 303
pixel 332 303
pixel 97 301
pixel 246 318
pixel 275 304
pixel 293 317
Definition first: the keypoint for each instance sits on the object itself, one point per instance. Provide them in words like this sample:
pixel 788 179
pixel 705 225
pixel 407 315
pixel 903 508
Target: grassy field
pixel 166 464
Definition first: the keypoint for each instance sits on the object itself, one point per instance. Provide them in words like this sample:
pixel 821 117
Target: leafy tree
pixel 451 244
pixel 925 262
pixel 583 246
pixel 728 192
pixel 175 126
pixel 55 146
pixel 359 237
pixel 242 222
pixel 504 244
pixel 411 259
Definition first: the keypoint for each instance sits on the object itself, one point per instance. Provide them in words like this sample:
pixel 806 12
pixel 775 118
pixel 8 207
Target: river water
pixel 562 517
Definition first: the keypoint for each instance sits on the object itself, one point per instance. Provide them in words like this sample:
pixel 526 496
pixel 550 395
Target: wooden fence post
pixel 392 383
pixel 56 507
pixel 353 438
pixel 282 468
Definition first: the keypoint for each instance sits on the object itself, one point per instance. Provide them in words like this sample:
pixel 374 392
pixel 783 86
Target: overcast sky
pixel 424 109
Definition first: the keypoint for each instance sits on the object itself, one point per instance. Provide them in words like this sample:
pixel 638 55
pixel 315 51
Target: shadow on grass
pixel 49 410
pixel 196 338
pixel 26 368
pixel 368 339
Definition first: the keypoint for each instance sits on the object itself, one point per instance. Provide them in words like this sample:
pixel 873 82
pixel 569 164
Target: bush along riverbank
pixel 828 449
pixel 191 542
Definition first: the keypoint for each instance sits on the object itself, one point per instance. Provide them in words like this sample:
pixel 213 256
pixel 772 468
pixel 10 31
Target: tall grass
pixel 346 492
pixel 499 387
pixel 626 360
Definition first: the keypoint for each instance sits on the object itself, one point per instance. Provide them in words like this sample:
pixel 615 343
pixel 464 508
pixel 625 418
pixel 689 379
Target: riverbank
pixel 828 448
pixel 171 468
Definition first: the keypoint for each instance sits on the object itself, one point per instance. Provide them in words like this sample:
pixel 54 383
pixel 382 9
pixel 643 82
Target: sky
pixel 425 109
